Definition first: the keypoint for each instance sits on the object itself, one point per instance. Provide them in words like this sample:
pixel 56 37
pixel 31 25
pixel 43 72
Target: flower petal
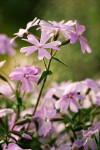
pixel 43 53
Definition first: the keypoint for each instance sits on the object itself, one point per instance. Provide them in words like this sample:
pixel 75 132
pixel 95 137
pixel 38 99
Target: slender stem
pixel 40 95
pixel 42 88
pixel 44 63
pixel 18 113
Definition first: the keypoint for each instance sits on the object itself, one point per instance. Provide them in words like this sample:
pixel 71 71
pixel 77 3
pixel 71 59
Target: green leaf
pixel 19 99
pixel 44 75
pixel 59 61
pixel 3 78
pixel 2 125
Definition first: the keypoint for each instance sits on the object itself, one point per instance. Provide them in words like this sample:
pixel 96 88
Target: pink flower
pixel 77 35
pixel 22 31
pixel 70 99
pixel 57 27
pixel 27 75
pixel 43 115
pixel 5 46
pixel 41 45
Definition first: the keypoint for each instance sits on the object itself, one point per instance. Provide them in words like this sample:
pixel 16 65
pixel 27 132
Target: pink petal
pixel 32 39
pixel 43 53
pixel 73 38
pixel 32 23
pixel 20 32
pixel 16 75
pixel 30 86
pixel 53 45
pixel 13 146
pixel 80 28
pixel 62 105
pixel 44 24
pixel 24 84
pixel 73 107
pixel 84 45
pixel 34 78
pixel 44 37
pixel 29 50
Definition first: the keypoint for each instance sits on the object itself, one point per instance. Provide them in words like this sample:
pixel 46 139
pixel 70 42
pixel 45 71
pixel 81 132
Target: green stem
pixel 42 88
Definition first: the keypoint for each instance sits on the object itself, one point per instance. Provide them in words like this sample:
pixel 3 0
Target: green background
pixel 14 14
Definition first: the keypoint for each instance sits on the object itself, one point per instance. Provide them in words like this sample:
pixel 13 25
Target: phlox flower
pixel 57 27
pixel 77 35
pixel 69 99
pixel 41 45
pixel 43 115
pixel 27 75
pixel 22 31
pixel 6 111
pixel 5 46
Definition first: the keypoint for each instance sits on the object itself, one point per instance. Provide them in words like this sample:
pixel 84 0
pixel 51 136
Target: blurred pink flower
pixel 5 46
pixel 77 35
pixel 27 75
pixel 41 45
pixel 43 115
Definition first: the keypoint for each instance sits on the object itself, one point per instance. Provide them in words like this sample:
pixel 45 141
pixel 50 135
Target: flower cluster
pixel 64 116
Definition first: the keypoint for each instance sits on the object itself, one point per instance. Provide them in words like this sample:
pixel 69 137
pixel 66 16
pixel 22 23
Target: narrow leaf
pixel 3 78
pixel 44 75
pixel 59 61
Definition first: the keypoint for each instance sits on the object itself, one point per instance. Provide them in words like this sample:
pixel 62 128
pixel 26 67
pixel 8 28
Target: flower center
pixel 40 46
pixel 26 75
pixel 46 119
pixel 70 95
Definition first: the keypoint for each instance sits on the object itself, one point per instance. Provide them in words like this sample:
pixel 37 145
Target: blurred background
pixel 15 14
